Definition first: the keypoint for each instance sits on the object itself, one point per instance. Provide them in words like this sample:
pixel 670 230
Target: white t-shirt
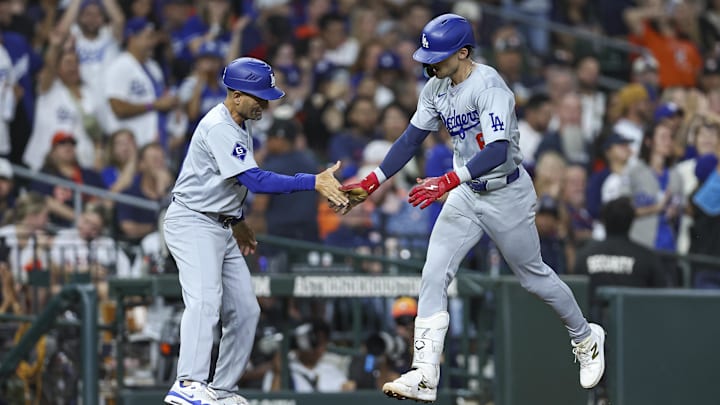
pixel 7 99
pixel 59 111
pixel 22 257
pixel 69 249
pixel 324 377
pixel 529 141
pixel 95 55
pixel 126 80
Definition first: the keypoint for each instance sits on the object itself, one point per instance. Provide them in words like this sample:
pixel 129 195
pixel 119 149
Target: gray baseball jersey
pixel 479 110
pixel 220 149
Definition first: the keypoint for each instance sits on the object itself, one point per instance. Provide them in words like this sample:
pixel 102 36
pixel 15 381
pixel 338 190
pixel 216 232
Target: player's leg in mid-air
pixel 456 231
pixel 509 219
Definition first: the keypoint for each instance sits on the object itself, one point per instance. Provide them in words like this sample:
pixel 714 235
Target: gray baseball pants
pixel 507 215
pixel 216 286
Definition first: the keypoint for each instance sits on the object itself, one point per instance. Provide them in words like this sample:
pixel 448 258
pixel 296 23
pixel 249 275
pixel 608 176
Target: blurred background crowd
pixel 618 101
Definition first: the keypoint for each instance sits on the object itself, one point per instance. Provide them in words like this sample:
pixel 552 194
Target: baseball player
pixel 205 232
pixel 488 192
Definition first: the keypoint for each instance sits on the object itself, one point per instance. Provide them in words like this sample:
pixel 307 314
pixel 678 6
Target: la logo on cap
pixel 425 43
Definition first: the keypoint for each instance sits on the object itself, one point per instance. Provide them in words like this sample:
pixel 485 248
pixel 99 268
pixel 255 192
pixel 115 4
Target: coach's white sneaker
pixel 189 393
pixel 411 385
pixel 233 399
pixel 590 353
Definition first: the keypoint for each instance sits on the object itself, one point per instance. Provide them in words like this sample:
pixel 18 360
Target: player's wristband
pixel 370 183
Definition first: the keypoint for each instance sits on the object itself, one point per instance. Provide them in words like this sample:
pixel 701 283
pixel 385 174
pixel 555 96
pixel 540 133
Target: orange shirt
pixel 679 59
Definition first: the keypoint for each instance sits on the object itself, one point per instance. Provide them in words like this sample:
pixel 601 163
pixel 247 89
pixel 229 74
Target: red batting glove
pixel 370 183
pixel 432 189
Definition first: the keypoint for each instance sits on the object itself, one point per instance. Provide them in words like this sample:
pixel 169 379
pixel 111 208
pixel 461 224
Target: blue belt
pixel 480 186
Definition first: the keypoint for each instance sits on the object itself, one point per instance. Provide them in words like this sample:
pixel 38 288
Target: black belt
pixel 226 220
pixel 480 186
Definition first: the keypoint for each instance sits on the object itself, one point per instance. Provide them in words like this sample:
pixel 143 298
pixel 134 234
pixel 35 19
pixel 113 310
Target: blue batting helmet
pixel 443 36
pixel 252 76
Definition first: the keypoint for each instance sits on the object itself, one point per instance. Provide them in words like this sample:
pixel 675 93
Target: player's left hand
pixel 432 189
pixel 245 238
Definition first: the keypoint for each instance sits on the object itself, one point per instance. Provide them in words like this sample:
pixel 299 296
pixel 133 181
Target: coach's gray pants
pixel 507 215
pixel 216 286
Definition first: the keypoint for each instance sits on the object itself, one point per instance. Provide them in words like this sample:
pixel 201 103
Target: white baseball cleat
pixel 590 353
pixel 233 399
pixel 411 385
pixel 189 393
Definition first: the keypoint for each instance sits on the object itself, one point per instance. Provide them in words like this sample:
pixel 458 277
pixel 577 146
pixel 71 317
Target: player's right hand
pixel 327 185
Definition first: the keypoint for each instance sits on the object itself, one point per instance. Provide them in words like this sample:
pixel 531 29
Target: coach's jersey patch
pixel 239 151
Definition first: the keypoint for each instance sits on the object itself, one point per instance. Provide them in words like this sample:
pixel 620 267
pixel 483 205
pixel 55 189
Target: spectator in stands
pixel 633 109
pixel 211 23
pixel 404 311
pixel 340 49
pixel 709 25
pixel 68 105
pixel 62 162
pixel 533 126
pixel 617 154
pixel 84 249
pixel 7 191
pixel 121 168
pixel 551 231
pixel 705 139
pixel 661 29
pixel 549 173
pixel 312 368
pixel 134 86
pixel 370 370
pixel 360 128
pixel 508 49
pixel 202 90
pixel 152 183
pixel 710 78
pixel 270 213
pixel 657 154
pixel 7 94
pixel 705 208
pixel 388 75
pixel 26 236
pixel 568 140
pixel 581 15
pixel 97 43
pixel 592 98
pixel 579 221
pixel 645 72
pixel 618 260
pixel 438 161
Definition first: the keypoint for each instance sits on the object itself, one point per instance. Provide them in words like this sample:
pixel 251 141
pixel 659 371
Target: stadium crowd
pixel 107 93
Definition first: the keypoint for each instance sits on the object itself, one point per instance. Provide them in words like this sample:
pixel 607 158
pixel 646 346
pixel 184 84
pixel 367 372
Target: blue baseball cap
pixel 667 110
pixel 615 139
pixel 389 61
pixel 211 49
pixel 136 25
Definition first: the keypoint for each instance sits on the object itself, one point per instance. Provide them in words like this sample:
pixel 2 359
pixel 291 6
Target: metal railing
pixel 80 189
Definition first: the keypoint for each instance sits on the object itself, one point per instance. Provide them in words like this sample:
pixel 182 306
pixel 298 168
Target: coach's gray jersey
pixel 479 110
pixel 220 149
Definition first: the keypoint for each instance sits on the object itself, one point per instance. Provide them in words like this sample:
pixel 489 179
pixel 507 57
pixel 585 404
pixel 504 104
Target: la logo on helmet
pixel 425 43
pixel 272 79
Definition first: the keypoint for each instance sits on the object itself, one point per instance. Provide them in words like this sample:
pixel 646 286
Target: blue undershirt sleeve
pixel 494 154
pixel 261 181
pixel 403 149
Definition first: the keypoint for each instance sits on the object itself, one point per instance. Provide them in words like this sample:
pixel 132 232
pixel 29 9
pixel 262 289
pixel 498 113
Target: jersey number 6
pixel 480 140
